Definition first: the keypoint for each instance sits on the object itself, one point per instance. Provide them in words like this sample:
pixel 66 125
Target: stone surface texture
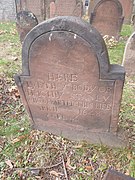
pixel 68 8
pixel 45 9
pixel 67 83
pixel 107 17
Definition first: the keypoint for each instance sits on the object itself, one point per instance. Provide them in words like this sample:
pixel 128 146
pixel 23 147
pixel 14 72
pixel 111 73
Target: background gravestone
pixel 129 56
pixel 52 9
pixel 69 8
pixel 114 175
pixel 107 17
pixel 68 85
pixel 41 8
pixel 25 21
pixel 127 10
pixel 127 6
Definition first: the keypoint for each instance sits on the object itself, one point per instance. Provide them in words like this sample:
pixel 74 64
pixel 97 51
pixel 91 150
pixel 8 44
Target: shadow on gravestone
pixel 114 175
pixel 25 21
pixel 67 83
pixel 129 57
pixel 107 17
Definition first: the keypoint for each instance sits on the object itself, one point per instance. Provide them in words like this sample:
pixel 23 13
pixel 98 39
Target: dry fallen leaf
pixel 18 139
pixel 54 173
pixel 9 163
pixel 78 146
pixel 68 165
pixel 89 168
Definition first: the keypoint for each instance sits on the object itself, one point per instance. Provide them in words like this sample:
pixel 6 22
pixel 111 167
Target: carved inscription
pixel 62 77
pixel 83 99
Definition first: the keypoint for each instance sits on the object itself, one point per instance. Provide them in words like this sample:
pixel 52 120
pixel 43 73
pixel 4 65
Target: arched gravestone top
pixel 107 17
pixel 129 56
pixel 68 85
pixel 82 29
pixel 25 21
pixel 117 2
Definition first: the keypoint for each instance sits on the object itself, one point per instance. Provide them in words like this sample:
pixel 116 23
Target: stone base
pixel 106 138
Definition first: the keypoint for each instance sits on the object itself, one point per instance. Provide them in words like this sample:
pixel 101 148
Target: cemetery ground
pixel 31 154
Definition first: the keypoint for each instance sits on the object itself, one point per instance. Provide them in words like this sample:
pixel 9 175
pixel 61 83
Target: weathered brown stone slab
pixel 114 175
pixel 52 9
pixel 67 83
pixel 69 8
pixel 49 9
pixel 129 56
pixel 35 6
pixel 107 17
pixel 25 21
pixel 127 10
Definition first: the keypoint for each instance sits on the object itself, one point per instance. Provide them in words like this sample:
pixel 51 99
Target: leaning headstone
pixel 67 83
pixel 107 17
pixel 25 21
pixel 129 56
pixel 69 8
pixel 114 175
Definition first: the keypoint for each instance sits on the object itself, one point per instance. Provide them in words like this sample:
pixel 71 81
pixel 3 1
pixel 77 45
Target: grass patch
pixel 116 53
pixel 127 30
pixel 8 33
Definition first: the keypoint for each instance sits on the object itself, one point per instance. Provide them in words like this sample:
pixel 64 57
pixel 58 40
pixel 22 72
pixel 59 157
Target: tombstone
pixel 129 56
pixel 107 17
pixel 52 9
pixel 127 10
pixel 35 6
pixel 49 8
pixel 25 21
pixel 68 8
pixel 114 175
pixel 68 85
